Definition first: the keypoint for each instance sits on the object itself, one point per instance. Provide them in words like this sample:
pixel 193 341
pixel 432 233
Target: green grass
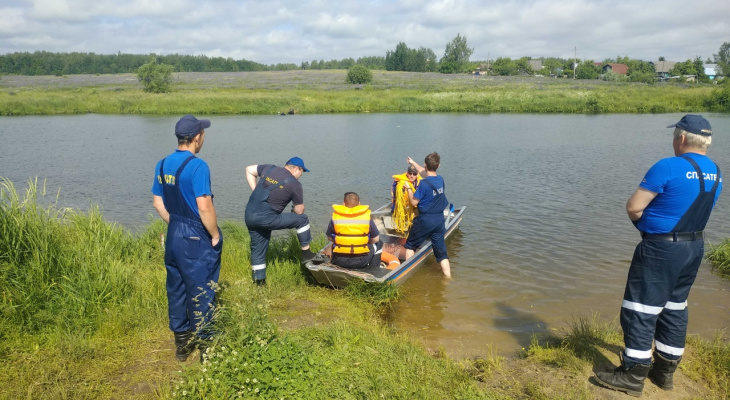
pixel 84 316
pixel 710 363
pixel 719 257
pixel 312 92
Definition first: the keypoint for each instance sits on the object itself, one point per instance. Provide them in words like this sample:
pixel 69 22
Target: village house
pixel 712 71
pixel 535 65
pixel 662 68
pixel 621 69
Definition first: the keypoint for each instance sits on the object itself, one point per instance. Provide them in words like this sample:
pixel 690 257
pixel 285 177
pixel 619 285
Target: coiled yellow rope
pixel 403 212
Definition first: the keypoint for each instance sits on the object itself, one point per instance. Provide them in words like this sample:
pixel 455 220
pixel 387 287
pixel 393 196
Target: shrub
pixel 719 99
pixel 644 77
pixel 614 77
pixel 155 78
pixel 448 67
pixel 359 74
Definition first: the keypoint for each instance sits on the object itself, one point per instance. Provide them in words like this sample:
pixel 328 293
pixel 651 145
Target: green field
pixel 316 92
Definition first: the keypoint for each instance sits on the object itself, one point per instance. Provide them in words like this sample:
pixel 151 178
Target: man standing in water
pixel 670 208
pixel 276 187
pixel 431 201
pixel 182 196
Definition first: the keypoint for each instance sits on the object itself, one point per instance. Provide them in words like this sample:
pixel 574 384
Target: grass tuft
pixel 719 257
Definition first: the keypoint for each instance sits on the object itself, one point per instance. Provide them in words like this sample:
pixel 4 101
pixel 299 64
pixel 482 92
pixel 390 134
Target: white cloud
pixel 290 32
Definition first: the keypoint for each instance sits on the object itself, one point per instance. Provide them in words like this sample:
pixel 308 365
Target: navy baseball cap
pixel 189 126
pixel 411 168
pixel 696 124
pixel 298 162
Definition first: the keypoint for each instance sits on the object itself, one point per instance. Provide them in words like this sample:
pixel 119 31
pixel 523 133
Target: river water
pixel 545 237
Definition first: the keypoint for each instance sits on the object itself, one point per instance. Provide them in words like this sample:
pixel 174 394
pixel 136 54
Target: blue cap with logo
pixel 298 162
pixel 696 124
pixel 189 126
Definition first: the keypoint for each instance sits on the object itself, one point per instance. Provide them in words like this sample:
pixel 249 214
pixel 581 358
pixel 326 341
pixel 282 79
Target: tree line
pixel 47 63
pixel 456 59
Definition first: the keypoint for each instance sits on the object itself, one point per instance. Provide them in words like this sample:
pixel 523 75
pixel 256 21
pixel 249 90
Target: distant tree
pixel 504 66
pixel 431 61
pixel 700 68
pixel 396 60
pixel 552 65
pixel 683 68
pixel 640 67
pixel 372 62
pixel 155 78
pixel 523 66
pixel 456 55
pixel 661 58
pixel 722 59
pixel 587 70
pixel 359 74
pixel 346 63
pixel 405 59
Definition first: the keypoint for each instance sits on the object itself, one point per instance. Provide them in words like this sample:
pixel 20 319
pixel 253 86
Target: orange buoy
pixel 391 262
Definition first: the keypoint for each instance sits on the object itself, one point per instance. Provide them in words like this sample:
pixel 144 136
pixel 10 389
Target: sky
pixel 282 31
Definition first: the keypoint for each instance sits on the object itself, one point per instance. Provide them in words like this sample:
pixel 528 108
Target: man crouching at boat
pixel 354 236
pixel 431 201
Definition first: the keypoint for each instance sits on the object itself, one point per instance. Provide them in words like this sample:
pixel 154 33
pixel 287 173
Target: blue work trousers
pixel 193 267
pixel 261 223
pixel 429 226
pixel 654 307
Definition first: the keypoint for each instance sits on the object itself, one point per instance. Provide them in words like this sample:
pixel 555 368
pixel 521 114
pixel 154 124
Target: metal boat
pixel 329 274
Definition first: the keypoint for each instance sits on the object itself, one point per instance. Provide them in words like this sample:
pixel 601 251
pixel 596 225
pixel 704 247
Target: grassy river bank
pixel 83 316
pixel 325 91
pixel 83 312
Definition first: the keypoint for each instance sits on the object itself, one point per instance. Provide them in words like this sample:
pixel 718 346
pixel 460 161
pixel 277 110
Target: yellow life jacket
pixel 352 229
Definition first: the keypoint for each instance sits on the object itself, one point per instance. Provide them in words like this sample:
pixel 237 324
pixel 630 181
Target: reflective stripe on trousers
pixel 261 220
pixel 660 278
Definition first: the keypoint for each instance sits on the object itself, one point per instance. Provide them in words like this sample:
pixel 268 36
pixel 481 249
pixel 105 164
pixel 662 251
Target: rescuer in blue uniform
pixel 431 201
pixel 276 187
pixel 182 196
pixel 670 209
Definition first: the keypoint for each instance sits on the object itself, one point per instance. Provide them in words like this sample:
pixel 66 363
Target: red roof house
pixel 621 69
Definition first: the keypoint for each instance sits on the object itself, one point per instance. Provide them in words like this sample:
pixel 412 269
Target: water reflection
pixel 520 324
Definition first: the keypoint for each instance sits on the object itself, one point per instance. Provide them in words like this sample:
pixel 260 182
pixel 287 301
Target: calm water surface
pixel 545 236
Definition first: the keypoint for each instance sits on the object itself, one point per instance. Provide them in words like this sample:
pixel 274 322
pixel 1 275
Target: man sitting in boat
pixel 354 236
pixel 402 210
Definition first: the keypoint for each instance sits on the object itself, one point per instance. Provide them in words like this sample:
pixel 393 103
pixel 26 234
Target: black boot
pixel 307 256
pixel 628 380
pixel 184 345
pixel 663 371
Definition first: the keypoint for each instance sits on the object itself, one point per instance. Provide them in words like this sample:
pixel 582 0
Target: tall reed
pixel 61 267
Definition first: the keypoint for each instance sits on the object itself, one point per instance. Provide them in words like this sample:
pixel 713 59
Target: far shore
pixel 325 91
